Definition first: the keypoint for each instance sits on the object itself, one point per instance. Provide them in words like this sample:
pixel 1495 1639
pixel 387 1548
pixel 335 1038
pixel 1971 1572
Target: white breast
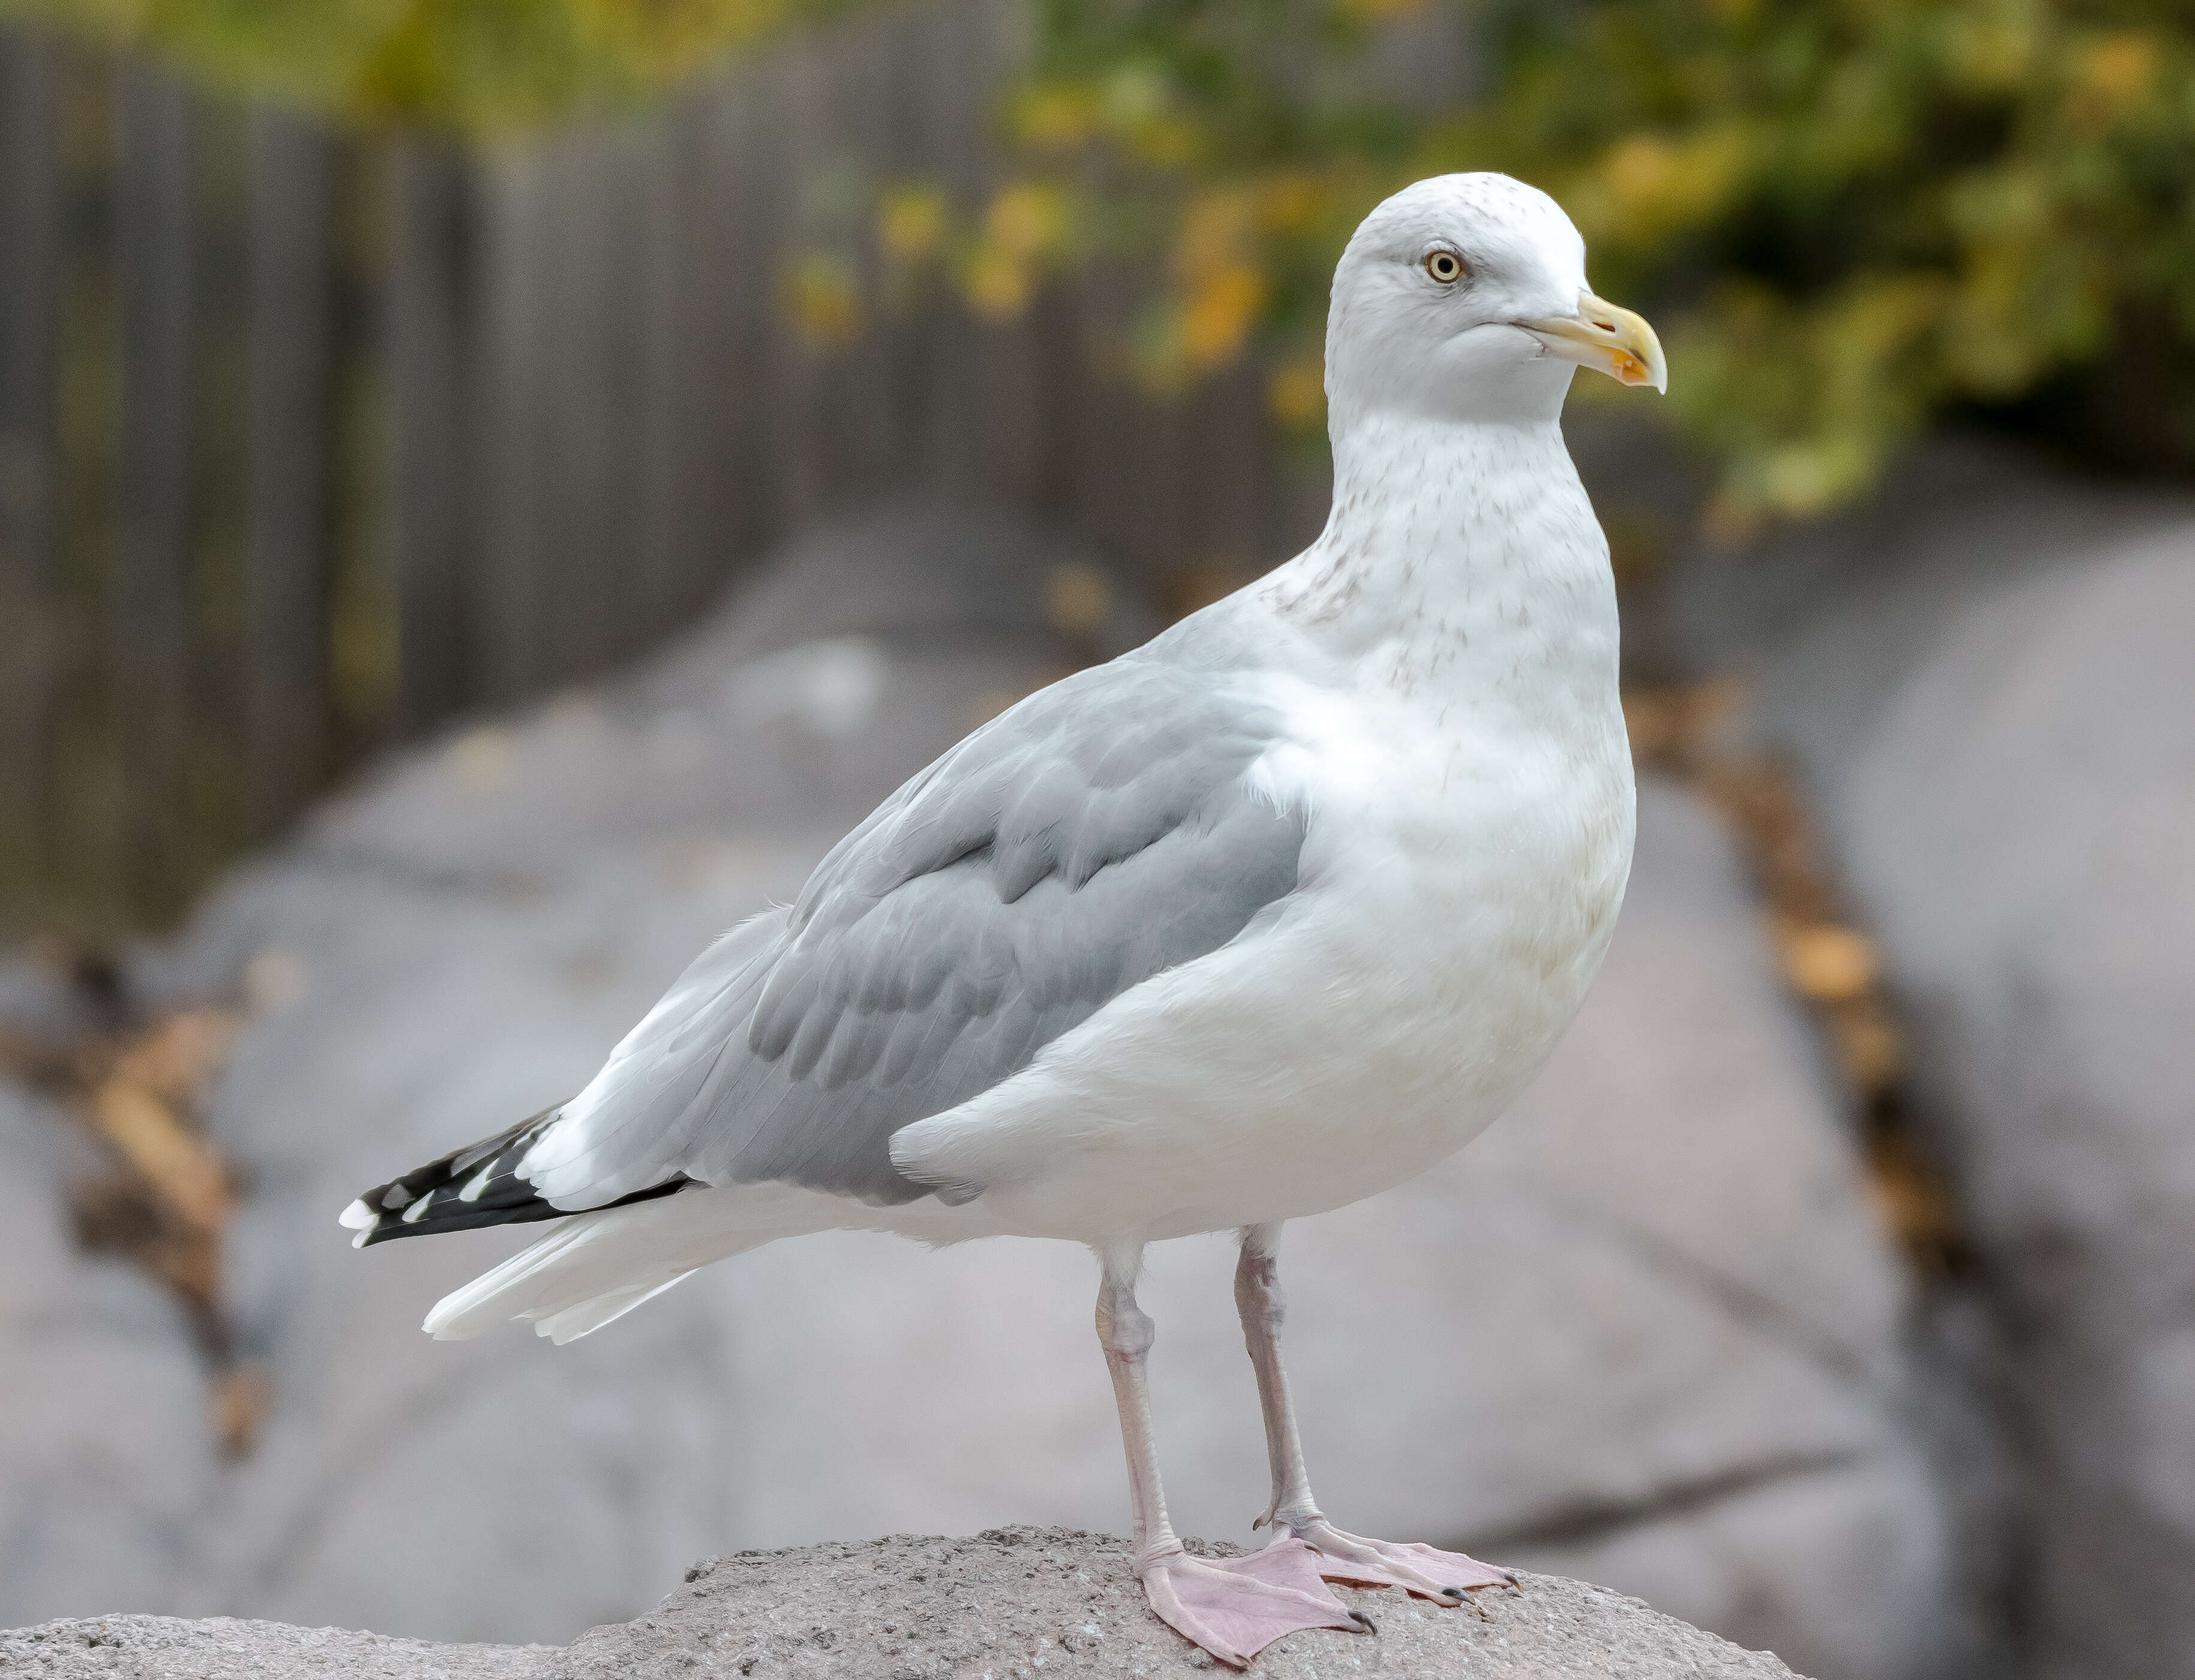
pixel 1452 734
pixel 1458 888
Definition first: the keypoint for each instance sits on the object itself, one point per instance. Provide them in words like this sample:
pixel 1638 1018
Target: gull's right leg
pixel 1426 1571
pixel 1233 1607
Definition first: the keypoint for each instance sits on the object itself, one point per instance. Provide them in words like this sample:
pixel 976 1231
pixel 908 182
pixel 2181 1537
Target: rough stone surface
pixel 1647 1332
pixel 1996 703
pixel 1007 1604
pixel 224 1647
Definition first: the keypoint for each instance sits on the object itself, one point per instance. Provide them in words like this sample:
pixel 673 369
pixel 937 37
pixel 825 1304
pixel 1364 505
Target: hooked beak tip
pixel 1606 337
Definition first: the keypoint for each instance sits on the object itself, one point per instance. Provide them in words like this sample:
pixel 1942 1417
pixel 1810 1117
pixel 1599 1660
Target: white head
pixel 1463 297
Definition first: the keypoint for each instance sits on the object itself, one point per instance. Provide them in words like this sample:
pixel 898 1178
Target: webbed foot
pixel 1426 1571
pixel 1235 1607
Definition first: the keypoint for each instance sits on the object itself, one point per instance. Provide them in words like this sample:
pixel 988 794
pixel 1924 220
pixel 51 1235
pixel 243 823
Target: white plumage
pixel 1265 918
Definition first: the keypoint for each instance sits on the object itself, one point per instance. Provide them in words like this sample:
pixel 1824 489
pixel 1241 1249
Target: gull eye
pixel 1444 266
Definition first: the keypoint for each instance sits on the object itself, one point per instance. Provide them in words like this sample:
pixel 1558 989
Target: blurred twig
pixel 165 1204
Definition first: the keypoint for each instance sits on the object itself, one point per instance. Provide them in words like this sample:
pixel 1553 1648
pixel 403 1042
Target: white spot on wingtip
pixel 358 1217
pixel 411 1213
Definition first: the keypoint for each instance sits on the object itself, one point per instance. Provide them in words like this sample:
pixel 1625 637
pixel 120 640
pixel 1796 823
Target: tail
pixel 476 1185
pixel 599 1265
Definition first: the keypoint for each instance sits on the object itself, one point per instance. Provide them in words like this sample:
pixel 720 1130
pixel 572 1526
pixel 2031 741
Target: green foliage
pixel 1846 216
pixel 481 66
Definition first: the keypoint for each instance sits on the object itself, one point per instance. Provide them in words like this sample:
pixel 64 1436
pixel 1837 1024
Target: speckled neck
pixel 1461 558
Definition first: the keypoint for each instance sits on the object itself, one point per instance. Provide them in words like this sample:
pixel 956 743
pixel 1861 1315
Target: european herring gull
pixel 1266 916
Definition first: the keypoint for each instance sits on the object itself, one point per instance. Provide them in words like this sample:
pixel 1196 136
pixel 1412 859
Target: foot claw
pixel 1444 1577
pixel 1235 1607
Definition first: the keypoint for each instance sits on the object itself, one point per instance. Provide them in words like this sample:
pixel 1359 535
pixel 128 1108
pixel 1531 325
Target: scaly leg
pixel 1442 1576
pixel 1233 1607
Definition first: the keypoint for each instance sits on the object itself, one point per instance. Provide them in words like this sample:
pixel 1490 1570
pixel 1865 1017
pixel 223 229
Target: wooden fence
pixel 311 441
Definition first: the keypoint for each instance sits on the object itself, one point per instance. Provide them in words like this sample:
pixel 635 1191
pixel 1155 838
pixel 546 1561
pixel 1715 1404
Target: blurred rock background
pixel 467 539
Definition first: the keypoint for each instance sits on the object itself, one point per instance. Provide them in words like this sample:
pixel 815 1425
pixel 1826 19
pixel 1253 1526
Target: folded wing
pixel 1102 830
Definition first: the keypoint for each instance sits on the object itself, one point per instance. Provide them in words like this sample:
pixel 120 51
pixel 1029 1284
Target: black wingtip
pixel 467 1188
pixel 474 1186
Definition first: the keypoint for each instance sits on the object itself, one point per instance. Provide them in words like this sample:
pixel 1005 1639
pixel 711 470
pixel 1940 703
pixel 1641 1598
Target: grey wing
pixel 1099 833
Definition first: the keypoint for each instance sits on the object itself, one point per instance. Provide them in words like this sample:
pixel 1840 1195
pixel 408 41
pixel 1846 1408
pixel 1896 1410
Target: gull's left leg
pixel 1444 1576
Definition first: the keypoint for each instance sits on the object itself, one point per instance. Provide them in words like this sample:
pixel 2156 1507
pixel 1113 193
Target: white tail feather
pixel 589 1316
pixel 594 1267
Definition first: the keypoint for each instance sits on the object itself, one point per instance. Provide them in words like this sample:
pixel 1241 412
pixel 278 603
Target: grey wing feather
pixel 1099 833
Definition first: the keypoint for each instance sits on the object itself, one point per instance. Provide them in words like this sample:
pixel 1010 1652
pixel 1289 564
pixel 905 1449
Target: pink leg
pixel 1426 1571
pixel 1233 1607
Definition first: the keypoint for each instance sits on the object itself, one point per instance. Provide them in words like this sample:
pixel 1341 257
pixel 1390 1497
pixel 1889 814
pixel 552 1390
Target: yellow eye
pixel 1444 266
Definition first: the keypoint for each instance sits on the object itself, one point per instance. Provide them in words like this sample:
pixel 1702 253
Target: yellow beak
pixel 1602 335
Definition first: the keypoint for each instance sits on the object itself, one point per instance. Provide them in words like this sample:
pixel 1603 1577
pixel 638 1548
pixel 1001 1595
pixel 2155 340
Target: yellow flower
pixel 1650 185
pixel 1374 11
pixel 1291 203
pixel 911 222
pixel 1215 233
pixel 1217 316
pixel 2112 77
pixel 664 40
pixel 997 283
pixel 820 296
pixel 1027 220
pixel 1058 117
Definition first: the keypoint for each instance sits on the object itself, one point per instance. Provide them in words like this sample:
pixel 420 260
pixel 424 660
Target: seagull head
pixel 1463 297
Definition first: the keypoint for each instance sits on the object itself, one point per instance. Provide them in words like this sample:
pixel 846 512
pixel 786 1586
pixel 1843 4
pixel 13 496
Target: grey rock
pixel 863 651
pixel 40 1005
pixel 1831 618
pixel 1648 1329
pixel 1997 707
pixel 1009 1602
pixel 223 1647
pixel 106 1453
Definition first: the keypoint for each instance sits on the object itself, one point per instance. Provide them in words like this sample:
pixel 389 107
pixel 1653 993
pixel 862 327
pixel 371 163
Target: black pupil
pixel 1444 267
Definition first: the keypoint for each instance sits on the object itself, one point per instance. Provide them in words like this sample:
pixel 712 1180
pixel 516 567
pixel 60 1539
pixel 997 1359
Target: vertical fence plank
pixel 595 364
pixel 148 596
pixel 664 557
pixel 215 820
pixel 719 502
pixel 30 274
pixel 1011 413
pixel 795 450
pixel 428 288
pixel 566 351
pixel 903 334
pixel 876 416
pixel 848 99
pixel 505 605
pixel 289 427
pixel 599 406
pixel 30 330
pixel 953 84
pixel 1229 523
pixel 746 217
